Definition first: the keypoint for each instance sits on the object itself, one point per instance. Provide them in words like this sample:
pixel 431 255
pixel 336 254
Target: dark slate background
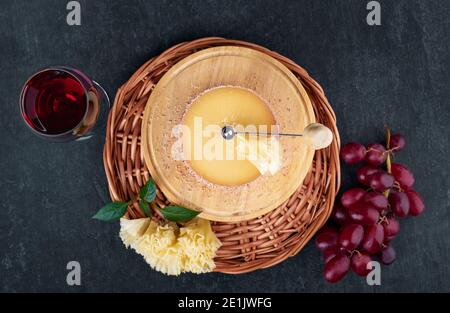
pixel 396 73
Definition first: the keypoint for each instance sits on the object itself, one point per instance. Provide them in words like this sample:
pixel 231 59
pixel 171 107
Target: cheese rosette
pixel 170 249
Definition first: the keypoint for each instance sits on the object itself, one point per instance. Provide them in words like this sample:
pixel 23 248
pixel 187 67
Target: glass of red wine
pixel 63 104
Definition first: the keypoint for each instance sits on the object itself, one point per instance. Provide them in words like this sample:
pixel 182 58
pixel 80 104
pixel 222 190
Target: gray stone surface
pixel 397 73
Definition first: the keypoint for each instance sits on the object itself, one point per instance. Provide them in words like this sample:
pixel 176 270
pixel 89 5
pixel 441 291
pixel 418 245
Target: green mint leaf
pixel 148 191
pixel 112 211
pixel 178 214
pixel 145 208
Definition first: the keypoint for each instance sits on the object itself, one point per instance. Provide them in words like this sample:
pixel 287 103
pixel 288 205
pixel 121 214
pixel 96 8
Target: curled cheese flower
pixel 169 249
pixel 132 230
pixel 158 247
pixel 199 244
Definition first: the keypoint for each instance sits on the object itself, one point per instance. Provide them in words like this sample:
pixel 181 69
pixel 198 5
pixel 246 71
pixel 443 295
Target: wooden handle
pixel 319 135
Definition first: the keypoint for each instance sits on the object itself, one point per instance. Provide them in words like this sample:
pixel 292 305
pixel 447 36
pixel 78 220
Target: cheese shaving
pixel 263 152
pixel 170 249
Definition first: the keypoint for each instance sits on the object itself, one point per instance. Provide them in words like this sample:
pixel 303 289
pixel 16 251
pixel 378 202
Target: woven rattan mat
pixel 249 245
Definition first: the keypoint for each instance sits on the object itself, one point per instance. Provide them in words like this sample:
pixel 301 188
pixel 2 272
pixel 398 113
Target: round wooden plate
pixel 227 66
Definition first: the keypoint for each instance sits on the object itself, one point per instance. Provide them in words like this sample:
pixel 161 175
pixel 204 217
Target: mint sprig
pixel 112 211
pixel 115 210
pixel 178 214
pixel 148 191
pixel 145 208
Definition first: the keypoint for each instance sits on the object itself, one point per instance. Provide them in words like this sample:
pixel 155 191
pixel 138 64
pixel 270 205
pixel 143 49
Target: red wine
pixel 60 104
pixel 55 102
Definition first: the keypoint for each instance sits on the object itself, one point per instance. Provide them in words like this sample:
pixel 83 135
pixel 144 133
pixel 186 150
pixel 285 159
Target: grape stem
pixel 397 185
pixel 388 159
pixel 383 219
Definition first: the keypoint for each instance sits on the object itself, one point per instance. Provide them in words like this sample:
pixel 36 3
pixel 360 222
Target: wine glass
pixel 63 104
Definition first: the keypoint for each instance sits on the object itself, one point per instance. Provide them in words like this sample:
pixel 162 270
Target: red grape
pixel 373 238
pixel 336 268
pixel 352 196
pixel 398 142
pixel 326 239
pixel 376 154
pixel 380 181
pixel 388 239
pixel 330 253
pixel 363 173
pixel 351 236
pixel 364 213
pixel 353 153
pixel 387 255
pixel 403 175
pixel 339 214
pixel 359 263
pixel 362 234
pixel 391 227
pixel 378 200
pixel 416 205
pixel 399 203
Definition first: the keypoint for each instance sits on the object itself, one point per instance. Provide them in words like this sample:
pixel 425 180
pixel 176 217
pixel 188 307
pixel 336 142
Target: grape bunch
pixel 365 220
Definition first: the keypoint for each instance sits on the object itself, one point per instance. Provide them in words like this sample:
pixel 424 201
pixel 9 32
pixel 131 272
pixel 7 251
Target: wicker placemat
pixel 249 245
